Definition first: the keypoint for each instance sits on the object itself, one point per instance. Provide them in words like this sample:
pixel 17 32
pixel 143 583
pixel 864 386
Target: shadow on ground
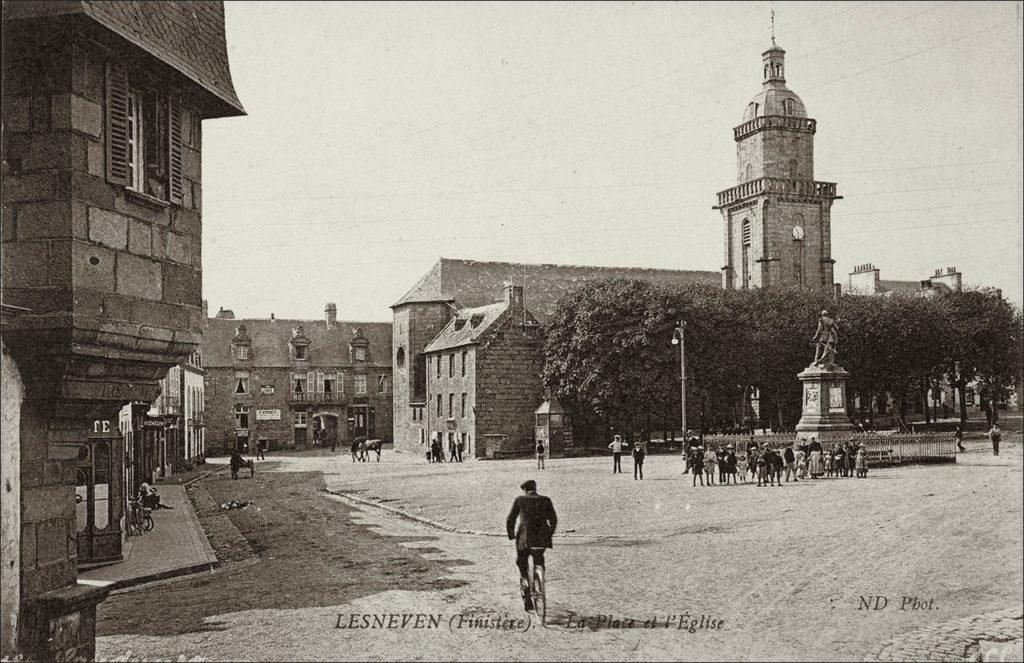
pixel 308 552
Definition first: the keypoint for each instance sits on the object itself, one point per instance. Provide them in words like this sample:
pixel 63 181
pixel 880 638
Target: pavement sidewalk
pixel 176 546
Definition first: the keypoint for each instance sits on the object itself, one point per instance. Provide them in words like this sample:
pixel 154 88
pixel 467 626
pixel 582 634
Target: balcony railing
pixel 801 124
pixel 776 185
pixel 316 398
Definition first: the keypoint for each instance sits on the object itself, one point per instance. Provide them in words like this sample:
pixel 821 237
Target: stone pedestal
pixel 824 402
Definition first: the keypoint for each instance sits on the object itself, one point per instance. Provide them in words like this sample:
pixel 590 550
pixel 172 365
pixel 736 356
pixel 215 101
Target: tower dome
pixel 774 98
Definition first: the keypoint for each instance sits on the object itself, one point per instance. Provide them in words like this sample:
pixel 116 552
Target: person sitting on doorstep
pixel 150 498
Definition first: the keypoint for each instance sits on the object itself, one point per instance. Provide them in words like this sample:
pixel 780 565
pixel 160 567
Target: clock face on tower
pixel 798 233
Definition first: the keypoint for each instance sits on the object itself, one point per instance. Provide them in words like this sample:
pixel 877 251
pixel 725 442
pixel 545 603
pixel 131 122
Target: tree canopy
pixel 609 358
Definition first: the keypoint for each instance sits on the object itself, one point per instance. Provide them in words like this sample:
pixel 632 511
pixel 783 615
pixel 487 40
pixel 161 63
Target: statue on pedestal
pixel 826 339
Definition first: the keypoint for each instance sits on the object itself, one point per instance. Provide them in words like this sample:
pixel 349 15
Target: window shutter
pixel 175 176
pixel 319 383
pixel 117 124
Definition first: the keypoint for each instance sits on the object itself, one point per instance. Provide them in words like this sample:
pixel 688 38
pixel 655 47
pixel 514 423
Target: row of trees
pixel 609 358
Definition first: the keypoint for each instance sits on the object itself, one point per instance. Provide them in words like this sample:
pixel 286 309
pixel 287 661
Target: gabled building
pixel 293 384
pixel 103 104
pixel 484 378
pixel 451 294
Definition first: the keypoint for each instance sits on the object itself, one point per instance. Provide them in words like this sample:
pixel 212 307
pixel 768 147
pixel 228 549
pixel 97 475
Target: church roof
pixel 771 101
pixel 472 283
pixel 328 346
pixel 188 36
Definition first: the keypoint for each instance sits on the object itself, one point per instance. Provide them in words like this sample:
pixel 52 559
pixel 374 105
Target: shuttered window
pixel 143 137
pixel 175 176
pixel 117 124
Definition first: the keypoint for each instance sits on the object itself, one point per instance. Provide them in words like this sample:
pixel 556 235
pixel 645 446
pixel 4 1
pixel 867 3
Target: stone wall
pixel 509 364
pixel 415 325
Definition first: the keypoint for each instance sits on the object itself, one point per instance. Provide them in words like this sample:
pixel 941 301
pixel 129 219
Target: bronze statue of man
pixel 827 338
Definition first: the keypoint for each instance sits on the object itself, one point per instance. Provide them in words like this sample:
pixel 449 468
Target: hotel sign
pixel 268 415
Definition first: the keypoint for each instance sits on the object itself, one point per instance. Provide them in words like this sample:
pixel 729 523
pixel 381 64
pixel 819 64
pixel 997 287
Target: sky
pixel 380 137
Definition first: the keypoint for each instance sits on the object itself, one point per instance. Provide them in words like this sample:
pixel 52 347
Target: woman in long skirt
pixel 815 466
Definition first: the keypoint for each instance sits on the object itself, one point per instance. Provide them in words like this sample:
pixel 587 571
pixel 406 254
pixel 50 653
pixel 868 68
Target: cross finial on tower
pixel 772 5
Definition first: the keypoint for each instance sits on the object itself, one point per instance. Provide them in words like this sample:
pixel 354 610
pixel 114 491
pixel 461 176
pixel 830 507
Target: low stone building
pixel 484 378
pixel 295 383
pixel 103 104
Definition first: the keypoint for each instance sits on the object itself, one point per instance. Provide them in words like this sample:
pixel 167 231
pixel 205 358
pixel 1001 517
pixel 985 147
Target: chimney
pixel 331 314
pixel 206 309
pixel 514 296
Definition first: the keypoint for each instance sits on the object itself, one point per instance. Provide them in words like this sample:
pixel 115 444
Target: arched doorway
pixel 327 425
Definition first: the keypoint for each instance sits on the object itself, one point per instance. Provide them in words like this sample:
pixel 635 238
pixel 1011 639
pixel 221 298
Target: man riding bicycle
pixel 537 521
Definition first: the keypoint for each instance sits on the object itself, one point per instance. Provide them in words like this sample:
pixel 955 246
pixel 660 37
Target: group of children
pixel 768 465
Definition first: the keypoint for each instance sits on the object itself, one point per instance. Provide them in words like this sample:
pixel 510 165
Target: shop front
pixel 99 491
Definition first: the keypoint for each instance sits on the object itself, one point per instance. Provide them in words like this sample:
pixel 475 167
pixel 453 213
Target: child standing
pixel 828 464
pixel 540 454
pixel 861 464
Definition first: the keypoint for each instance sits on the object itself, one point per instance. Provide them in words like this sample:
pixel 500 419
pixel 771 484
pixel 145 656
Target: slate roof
pixel 471 283
pixel 460 330
pixel 902 287
pixel 188 36
pixel 328 347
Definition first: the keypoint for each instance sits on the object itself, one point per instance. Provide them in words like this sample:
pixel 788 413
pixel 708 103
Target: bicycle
pixel 140 518
pixel 535 575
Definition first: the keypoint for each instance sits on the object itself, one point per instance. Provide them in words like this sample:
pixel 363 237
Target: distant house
pixel 294 383
pixel 866 280
pixel 483 376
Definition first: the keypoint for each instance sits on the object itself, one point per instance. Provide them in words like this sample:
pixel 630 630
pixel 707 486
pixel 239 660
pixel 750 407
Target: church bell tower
pixel 777 218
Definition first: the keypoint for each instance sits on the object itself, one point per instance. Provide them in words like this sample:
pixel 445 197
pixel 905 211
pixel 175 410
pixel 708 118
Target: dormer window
pixel 358 345
pixel 299 344
pixel 241 343
pixel 459 323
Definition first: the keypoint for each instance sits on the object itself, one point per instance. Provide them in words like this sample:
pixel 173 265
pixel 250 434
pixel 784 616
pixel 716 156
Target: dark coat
pixel 639 455
pixel 537 521
pixel 788 455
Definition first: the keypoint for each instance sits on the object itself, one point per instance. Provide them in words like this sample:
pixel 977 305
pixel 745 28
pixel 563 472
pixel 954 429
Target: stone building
pixel 484 378
pixel 102 111
pixel 295 383
pixel 778 227
pixel 866 280
pixel 451 294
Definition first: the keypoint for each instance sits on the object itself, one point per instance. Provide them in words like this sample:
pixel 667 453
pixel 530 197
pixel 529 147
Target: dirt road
pixel 783 569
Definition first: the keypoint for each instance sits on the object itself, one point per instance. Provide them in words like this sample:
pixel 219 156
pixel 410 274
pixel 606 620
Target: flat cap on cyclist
pixel 529 484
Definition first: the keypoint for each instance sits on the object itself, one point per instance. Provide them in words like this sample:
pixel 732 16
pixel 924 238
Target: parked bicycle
pixel 140 518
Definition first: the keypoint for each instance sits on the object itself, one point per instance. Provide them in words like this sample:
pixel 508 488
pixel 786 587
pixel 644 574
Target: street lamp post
pixel 679 338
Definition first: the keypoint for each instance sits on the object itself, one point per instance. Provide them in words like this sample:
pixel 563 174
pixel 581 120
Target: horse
pixel 366 446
